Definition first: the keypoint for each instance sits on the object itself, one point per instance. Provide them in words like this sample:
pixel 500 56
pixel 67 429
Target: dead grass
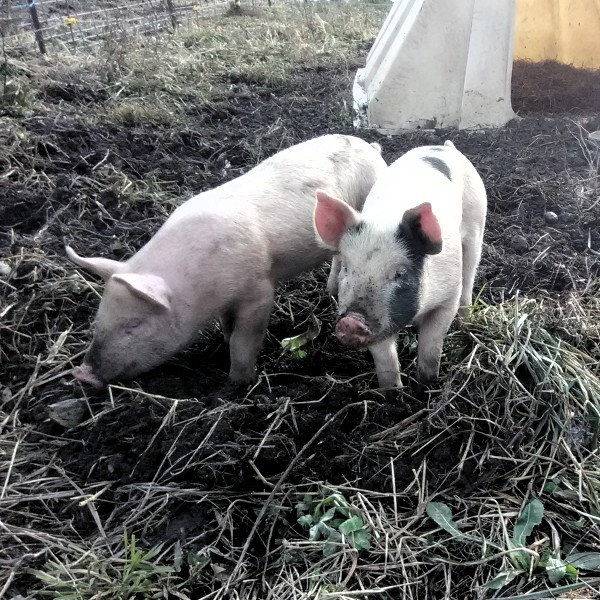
pixel 158 79
pixel 523 395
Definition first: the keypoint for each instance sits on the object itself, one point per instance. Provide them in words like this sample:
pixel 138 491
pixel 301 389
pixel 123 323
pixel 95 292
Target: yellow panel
pixel 567 31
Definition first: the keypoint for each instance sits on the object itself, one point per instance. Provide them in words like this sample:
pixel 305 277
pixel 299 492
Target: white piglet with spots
pixel 219 256
pixel 409 258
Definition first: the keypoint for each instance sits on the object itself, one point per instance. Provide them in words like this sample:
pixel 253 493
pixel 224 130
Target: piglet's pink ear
pixel 332 219
pixel 424 223
pixel 151 288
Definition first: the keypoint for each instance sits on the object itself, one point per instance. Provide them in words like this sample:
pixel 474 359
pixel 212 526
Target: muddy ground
pixel 533 166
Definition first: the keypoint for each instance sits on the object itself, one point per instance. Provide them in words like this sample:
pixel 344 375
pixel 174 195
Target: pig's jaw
pixel 85 374
pixel 352 330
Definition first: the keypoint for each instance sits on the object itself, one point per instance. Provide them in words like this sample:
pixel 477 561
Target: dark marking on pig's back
pixel 310 186
pixel 340 163
pixel 439 165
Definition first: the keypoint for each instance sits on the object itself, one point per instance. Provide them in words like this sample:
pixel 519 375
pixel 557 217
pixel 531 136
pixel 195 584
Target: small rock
pixel 4 269
pixel 551 217
pixel 433 139
pixel 519 244
pixel 68 413
pixel 5 395
pixel 595 138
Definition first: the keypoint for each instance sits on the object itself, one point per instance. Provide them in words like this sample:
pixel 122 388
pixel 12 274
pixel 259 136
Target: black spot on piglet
pixel 439 165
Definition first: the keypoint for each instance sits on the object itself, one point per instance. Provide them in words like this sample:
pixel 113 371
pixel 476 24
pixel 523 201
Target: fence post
pixel 37 28
pixel 172 13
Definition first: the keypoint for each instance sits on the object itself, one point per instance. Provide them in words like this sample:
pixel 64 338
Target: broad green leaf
pixel 503 578
pixel 566 494
pixel 333 534
pixel 329 514
pixel 572 572
pixel 318 530
pixel 556 592
pixel 337 499
pixel 442 515
pixel 344 510
pixel 327 532
pixel 199 560
pixel 530 517
pixel 521 559
pixel 361 540
pixel 314 532
pixel 330 547
pixel 177 555
pixel 351 525
pixel 588 561
pixel 548 553
pixel 152 552
pixel 556 569
pixel 293 344
pixel 306 521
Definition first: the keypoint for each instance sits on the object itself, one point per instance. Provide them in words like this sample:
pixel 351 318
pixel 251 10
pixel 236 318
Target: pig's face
pixel 381 268
pixel 132 334
pixel 379 284
pixel 136 327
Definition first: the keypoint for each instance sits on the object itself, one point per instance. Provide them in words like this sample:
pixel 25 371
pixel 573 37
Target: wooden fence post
pixel 172 13
pixel 37 28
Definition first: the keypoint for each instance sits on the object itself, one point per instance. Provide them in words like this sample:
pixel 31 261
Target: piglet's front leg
pixel 385 356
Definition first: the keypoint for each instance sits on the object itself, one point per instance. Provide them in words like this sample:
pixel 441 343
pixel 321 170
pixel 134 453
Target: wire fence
pixel 43 23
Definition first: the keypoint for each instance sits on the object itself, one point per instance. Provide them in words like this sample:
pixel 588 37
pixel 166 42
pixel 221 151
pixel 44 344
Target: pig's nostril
pixel 353 331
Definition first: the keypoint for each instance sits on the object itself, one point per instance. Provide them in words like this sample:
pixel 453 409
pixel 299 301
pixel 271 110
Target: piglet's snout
pixel 352 330
pixel 85 374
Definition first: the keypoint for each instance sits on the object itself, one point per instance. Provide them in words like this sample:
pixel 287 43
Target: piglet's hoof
pixel 398 398
pixel 239 387
pixel 421 388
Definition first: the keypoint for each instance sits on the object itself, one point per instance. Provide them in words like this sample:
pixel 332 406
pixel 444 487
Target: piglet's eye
pixel 131 325
pixel 399 275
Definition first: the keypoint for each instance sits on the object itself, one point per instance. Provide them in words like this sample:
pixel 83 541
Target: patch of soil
pixel 554 88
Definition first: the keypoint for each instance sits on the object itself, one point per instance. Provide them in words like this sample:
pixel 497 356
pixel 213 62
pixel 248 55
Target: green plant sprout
pixel 334 520
pixel 294 345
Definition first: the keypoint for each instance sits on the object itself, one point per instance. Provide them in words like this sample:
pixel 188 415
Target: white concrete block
pixel 439 63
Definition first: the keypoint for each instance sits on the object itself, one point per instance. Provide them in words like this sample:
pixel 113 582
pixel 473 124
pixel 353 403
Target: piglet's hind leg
pixel 432 329
pixel 471 256
pixel 227 322
pixel 250 326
